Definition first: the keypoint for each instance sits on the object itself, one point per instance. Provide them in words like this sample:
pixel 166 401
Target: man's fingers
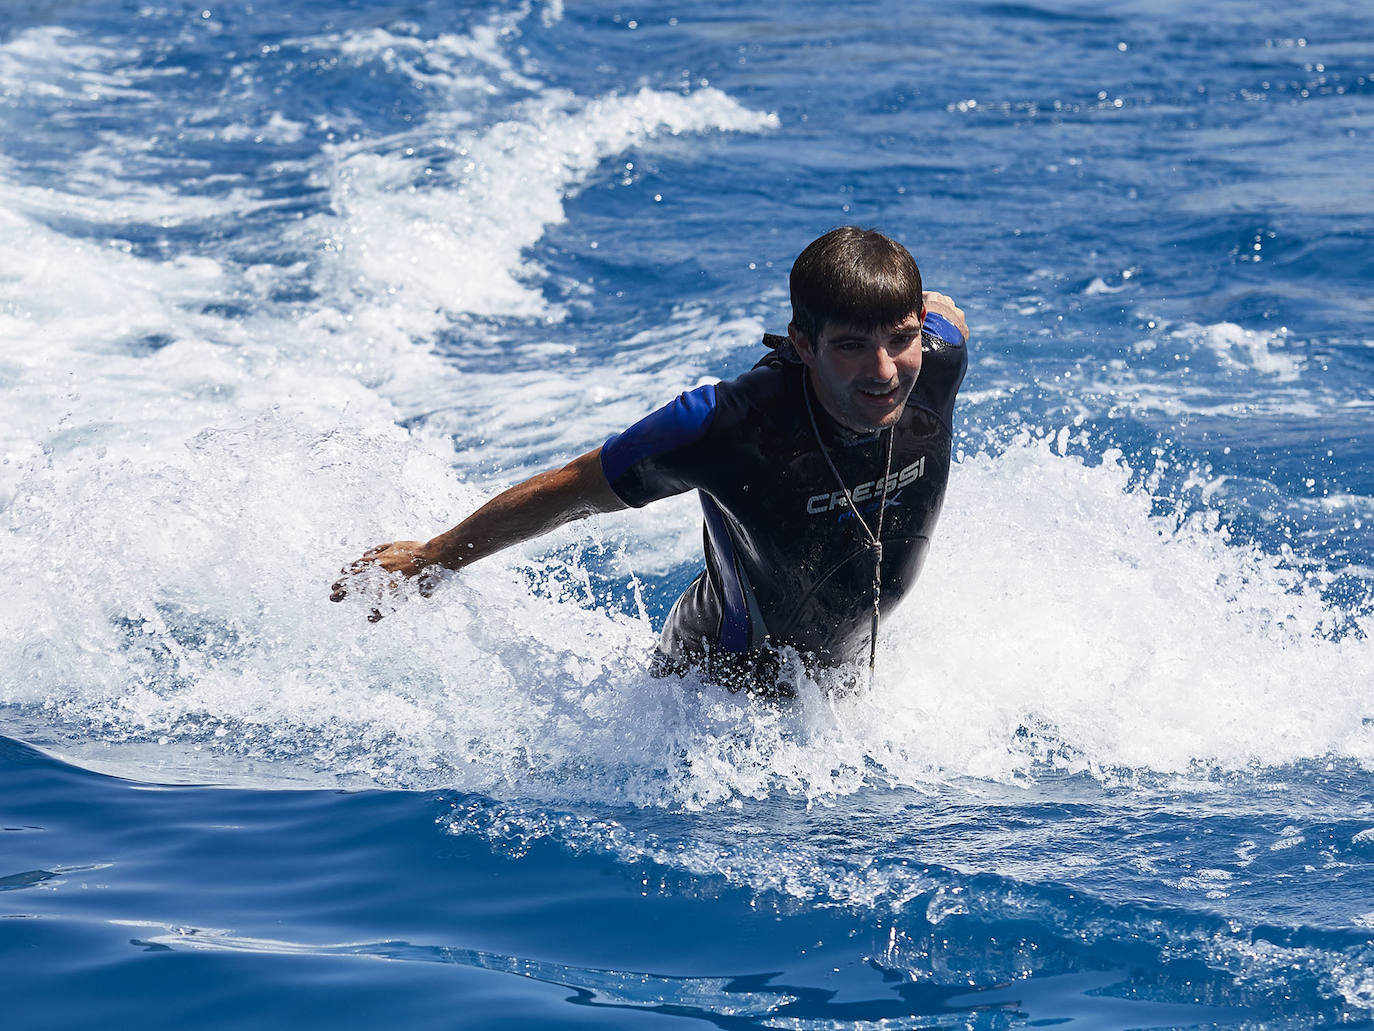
pixel 399 560
pixel 943 304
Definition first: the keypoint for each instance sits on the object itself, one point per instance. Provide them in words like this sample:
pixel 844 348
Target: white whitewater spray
pixel 179 487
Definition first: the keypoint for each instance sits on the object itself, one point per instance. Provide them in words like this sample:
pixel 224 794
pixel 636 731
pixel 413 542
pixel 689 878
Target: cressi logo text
pixel 818 504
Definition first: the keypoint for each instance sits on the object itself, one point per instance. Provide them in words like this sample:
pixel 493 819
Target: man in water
pixel 821 474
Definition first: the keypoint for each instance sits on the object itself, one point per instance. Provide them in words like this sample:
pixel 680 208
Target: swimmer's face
pixel 863 377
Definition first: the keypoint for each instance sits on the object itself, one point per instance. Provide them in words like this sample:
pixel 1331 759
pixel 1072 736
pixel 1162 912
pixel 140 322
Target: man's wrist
pixel 439 553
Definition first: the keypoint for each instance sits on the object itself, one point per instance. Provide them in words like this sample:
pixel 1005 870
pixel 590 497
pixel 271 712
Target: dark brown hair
pixel 857 277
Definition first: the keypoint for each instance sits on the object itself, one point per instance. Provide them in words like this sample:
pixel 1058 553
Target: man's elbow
pixel 593 489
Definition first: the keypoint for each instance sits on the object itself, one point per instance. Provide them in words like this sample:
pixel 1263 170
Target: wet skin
pixel 863 377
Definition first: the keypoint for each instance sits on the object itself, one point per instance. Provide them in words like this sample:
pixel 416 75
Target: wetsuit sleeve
pixel 944 360
pixel 654 458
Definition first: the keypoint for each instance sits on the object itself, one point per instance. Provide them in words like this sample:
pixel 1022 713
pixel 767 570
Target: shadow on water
pixel 26 879
pixel 1100 999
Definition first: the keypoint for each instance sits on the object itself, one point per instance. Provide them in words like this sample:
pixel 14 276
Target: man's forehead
pixel 845 330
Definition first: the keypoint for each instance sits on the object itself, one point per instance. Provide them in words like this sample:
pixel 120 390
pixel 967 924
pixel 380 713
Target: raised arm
pixel 525 511
pixel 944 306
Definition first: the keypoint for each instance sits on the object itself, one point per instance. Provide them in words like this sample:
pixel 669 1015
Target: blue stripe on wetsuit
pixel 942 328
pixel 735 631
pixel 680 422
pixel 684 421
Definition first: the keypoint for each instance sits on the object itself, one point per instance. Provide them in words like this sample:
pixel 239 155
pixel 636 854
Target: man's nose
pixel 885 368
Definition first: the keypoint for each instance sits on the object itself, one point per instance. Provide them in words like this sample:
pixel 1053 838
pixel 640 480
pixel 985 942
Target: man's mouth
pixel 880 394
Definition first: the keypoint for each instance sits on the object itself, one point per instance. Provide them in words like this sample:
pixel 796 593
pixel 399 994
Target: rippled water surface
pixel 280 282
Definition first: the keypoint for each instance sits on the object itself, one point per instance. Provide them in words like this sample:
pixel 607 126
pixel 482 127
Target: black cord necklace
pixel 872 537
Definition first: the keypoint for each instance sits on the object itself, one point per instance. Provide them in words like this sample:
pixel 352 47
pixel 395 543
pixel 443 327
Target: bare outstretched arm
pixel 525 511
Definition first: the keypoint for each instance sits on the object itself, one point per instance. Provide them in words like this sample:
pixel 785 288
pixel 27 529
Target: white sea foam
pixel 1137 641
pixel 52 63
pixel 181 486
pixel 1099 286
pixel 575 398
pixel 1067 626
pixel 460 248
pixel 448 61
pixel 1218 371
pixel 1248 348
pixel 1054 601
pixel 479 60
pixel 1234 348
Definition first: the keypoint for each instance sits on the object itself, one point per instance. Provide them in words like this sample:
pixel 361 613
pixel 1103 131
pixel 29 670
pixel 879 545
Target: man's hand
pixel 519 514
pixel 943 304
pixel 406 558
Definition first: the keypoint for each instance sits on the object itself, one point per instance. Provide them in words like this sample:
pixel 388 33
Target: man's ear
pixel 801 343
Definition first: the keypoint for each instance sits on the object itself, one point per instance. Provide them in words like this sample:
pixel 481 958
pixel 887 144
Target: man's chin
pixel 869 415
pixel 857 423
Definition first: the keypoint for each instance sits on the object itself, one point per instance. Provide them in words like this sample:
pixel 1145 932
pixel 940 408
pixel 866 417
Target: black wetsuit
pixel 785 562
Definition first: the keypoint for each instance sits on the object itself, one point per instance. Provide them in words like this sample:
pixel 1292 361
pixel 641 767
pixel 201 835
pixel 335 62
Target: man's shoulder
pixel 768 384
pixel 944 361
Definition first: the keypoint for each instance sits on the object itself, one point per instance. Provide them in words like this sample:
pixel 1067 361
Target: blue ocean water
pixel 281 282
